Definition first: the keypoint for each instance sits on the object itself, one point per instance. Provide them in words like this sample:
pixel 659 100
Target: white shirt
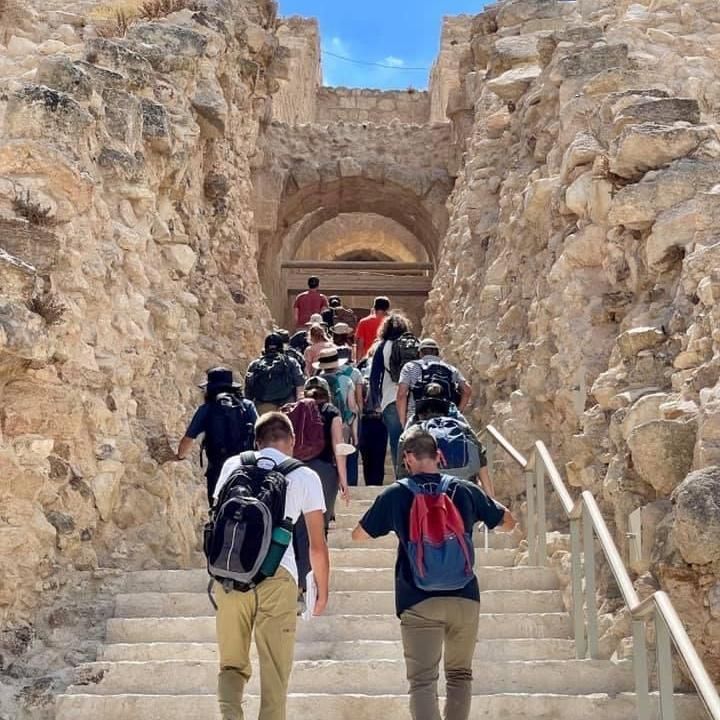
pixel 389 387
pixel 304 494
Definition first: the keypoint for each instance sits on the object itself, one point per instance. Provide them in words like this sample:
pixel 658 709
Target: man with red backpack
pixel 437 595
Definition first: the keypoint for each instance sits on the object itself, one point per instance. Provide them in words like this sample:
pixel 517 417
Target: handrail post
pixel 531 519
pixel 490 459
pixel 640 668
pixel 541 519
pixel 577 590
pixel 665 673
pixel 590 599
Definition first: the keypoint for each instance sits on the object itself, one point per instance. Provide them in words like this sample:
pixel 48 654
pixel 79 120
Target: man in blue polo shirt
pixel 431 620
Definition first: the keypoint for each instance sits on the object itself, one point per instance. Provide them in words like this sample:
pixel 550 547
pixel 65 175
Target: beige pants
pixel 426 627
pixel 272 613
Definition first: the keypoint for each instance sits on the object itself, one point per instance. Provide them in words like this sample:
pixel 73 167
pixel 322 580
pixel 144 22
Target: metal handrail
pixel 587 523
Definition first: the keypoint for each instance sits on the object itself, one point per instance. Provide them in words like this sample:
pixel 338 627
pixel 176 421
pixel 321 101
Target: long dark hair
pixel 393 326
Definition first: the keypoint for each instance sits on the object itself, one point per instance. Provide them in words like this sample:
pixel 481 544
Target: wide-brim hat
pixel 341 328
pixel 315 319
pixel 329 360
pixel 220 377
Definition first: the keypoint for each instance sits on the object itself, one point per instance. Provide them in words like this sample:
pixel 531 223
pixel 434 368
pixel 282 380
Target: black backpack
pixel 404 350
pixel 229 428
pixel 270 379
pixel 251 504
pixel 296 355
pixel 440 373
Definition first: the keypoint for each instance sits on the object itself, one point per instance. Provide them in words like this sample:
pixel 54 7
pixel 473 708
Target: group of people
pixel 335 389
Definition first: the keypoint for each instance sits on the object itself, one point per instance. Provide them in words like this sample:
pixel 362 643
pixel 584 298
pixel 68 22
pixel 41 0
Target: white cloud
pixel 393 61
pixel 339 46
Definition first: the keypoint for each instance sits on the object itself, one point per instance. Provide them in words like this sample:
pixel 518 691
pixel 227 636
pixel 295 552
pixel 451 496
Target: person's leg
pixel 352 469
pixel 461 631
pixel 329 480
pixel 394 428
pixel 212 475
pixel 301 544
pixel 422 638
pixel 266 407
pixel 234 621
pixel 275 640
pixel 378 438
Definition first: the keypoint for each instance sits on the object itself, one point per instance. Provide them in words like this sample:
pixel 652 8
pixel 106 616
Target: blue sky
pixel 398 33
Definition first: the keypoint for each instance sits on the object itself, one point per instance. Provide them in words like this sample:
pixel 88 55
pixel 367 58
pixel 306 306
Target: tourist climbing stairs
pixel 160 661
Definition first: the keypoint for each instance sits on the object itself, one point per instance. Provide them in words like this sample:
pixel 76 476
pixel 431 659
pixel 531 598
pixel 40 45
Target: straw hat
pixel 329 360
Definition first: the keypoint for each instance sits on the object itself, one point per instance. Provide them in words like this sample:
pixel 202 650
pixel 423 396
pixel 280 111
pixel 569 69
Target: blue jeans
pixel 395 430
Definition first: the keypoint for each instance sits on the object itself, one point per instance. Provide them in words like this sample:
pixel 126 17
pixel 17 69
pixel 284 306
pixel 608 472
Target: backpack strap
pixel 289 465
pixel 248 458
pixel 411 485
pixel 445 484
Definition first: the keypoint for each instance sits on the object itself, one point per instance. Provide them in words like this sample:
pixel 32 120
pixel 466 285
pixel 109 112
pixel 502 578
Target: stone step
pixel 341 539
pixel 334 628
pixel 368 557
pixel 491 578
pixel 349 602
pixel 498 706
pixel 369 677
pixel 496 650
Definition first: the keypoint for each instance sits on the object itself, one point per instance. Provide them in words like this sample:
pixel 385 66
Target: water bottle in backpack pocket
pixel 440 549
pixel 241 537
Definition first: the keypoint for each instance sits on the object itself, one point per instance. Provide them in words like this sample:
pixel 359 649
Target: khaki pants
pixel 266 407
pixel 426 627
pixel 272 612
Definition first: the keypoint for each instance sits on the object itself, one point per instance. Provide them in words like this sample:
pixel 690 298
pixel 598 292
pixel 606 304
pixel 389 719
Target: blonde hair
pixel 316 334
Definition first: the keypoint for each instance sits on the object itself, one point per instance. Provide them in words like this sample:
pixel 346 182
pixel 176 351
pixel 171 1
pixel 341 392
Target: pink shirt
pixel 311 302
pixel 312 353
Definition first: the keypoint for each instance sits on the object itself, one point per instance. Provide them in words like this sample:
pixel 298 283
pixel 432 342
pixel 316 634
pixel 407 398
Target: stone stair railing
pixel 587 524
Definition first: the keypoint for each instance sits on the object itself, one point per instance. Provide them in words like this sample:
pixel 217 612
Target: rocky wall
pixel 297 70
pixel 409 107
pixel 578 283
pixel 127 267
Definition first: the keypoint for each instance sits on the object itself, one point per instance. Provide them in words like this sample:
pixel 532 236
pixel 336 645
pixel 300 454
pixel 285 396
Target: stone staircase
pixel 159 661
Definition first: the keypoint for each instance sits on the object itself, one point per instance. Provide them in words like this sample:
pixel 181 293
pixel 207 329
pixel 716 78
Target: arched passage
pixel 420 221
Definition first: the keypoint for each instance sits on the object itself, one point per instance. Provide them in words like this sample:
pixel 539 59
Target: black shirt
pixel 391 513
pixel 328 413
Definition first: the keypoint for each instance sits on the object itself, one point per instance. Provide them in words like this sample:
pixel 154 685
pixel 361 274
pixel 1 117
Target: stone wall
pixel 410 107
pixel 298 71
pixel 127 267
pixel 578 282
pixel 445 75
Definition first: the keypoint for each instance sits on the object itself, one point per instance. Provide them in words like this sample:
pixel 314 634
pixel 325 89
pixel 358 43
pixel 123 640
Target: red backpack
pixel 309 429
pixel 440 549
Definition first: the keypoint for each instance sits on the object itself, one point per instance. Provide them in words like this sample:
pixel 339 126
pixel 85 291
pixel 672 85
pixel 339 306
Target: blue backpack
pixel 440 549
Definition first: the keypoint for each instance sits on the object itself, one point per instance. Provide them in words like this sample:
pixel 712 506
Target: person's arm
pixel 336 433
pixel 296 311
pixel 325 304
pixel 377 521
pixel 491 512
pixel 319 558
pixel 359 534
pixel 360 349
pixel 194 430
pixel 465 395
pixel 184 448
pixel 402 402
pixel 308 361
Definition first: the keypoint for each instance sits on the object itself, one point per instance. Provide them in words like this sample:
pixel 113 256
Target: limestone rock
pixel 662 452
pixel 513 84
pixel 636 340
pixel 650 146
pixel 696 523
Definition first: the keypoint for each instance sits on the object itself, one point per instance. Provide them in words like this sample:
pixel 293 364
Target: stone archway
pixel 314 176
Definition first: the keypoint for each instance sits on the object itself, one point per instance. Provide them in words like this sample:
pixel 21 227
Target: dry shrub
pixel 115 28
pixel 49 306
pixel 154 9
pixel 33 212
pixel 114 19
